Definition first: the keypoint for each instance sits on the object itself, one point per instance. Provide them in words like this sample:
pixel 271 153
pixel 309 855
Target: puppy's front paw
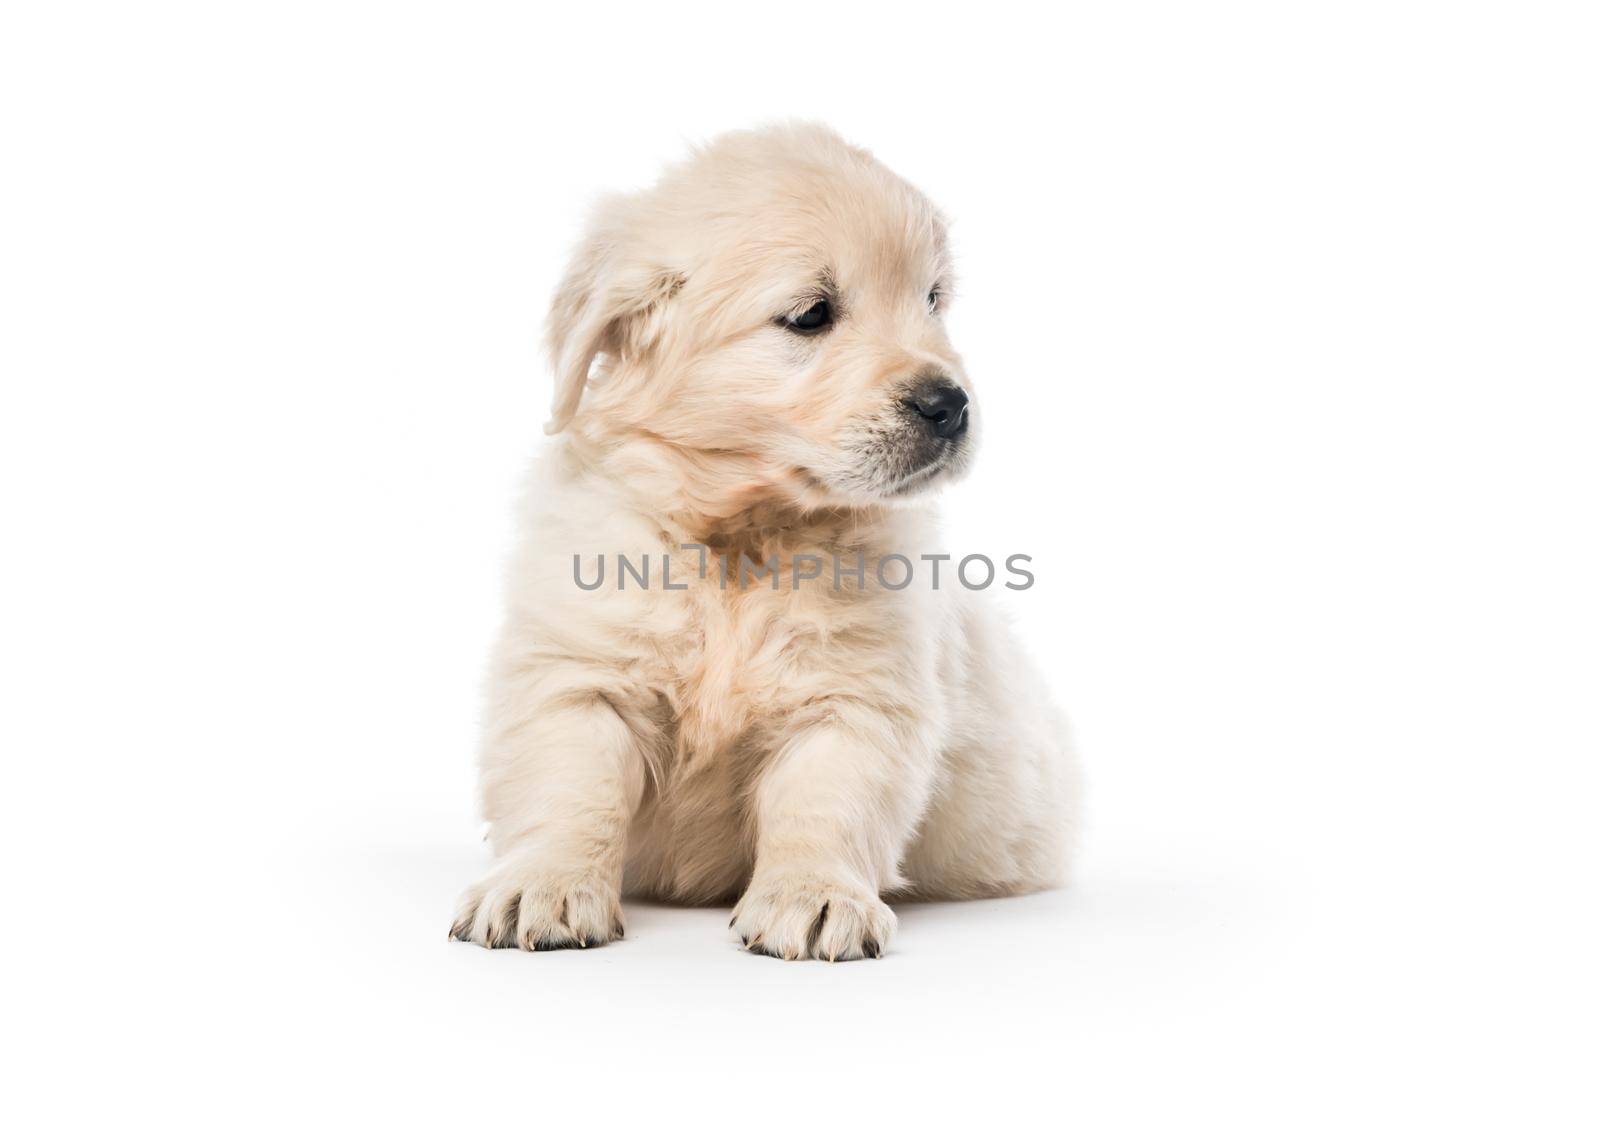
pixel 522 907
pixel 799 915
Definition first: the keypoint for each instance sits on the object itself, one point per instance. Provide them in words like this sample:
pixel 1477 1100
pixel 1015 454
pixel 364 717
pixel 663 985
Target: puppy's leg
pixel 560 786
pixel 834 812
pixel 1007 805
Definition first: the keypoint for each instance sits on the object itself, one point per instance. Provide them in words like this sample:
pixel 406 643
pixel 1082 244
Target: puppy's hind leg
pixel 560 786
pixel 1003 821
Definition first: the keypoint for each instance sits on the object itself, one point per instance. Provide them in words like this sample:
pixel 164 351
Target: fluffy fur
pixel 807 751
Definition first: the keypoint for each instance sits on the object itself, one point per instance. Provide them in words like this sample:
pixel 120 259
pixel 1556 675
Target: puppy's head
pixel 764 325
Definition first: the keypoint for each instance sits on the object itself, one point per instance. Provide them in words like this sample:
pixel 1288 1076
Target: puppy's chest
pixel 741 662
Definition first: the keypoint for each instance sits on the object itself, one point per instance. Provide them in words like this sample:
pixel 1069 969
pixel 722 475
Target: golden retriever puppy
pixel 778 691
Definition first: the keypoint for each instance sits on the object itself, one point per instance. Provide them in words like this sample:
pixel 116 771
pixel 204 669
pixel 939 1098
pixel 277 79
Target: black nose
pixel 944 405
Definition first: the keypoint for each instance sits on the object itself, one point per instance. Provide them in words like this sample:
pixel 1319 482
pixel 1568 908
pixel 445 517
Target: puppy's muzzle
pixel 942 405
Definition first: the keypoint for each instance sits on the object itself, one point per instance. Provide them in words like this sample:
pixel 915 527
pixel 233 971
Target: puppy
pixel 755 397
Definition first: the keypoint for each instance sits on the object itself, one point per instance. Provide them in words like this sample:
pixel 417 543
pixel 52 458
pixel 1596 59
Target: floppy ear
pixel 609 303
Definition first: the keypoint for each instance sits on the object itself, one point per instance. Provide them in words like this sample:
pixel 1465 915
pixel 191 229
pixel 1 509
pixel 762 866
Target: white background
pixel 1284 324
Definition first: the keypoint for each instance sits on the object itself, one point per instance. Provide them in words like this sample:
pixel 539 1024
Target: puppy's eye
pixel 812 319
pixel 934 297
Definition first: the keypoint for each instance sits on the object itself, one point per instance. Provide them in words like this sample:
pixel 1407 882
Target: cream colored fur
pixel 810 751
